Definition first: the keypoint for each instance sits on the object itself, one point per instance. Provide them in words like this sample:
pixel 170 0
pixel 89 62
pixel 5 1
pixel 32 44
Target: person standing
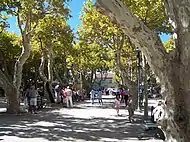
pixel 130 109
pixel 117 104
pixel 100 97
pixel 63 95
pixel 126 96
pixel 56 92
pixel 69 94
pixel 26 99
pixel 92 94
pixel 122 95
pixel 33 99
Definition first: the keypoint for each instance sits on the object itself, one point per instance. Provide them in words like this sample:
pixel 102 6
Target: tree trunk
pixel 58 76
pixel 43 77
pixel 172 69
pixel 49 92
pixel 132 88
pixel 123 72
pixel 17 79
pixel 50 63
pixel 41 72
pixel 88 82
pixel 145 93
pixel 50 73
pixel 13 105
pixel 19 64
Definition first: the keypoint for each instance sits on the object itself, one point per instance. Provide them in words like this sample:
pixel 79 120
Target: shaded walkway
pixel 82 123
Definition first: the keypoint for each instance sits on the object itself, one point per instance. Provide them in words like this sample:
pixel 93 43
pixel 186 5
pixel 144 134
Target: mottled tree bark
pixel 172 69
pixel 50 63
pixel 41 72
pixel 17 79
pixel 50 72
pixel 13 105
pixel 47 81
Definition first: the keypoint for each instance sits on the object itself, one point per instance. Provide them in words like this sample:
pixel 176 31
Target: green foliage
pixel 3 16
pixel 94 36
pixel 29 12
pixel 9 46
pixel 96 27
pixel 103 39
pixel 89 57
pixel 45 19
pixel 10 49
pixel 151 12
pixel 53 31
pixel 169 45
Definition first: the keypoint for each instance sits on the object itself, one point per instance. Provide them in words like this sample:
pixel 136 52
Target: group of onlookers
pixel 68 95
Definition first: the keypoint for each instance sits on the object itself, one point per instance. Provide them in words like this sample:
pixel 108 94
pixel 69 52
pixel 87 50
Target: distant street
pixel 84 122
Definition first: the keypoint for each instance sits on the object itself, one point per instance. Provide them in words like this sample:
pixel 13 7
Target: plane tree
pixel 28 14
pixel 172 68
pixel 97 28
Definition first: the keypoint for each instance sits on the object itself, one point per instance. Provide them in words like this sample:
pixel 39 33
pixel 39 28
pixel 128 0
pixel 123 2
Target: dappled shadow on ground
pixel 59 125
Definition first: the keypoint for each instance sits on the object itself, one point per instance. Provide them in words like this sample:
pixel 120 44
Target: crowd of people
pixel 121 97
pixel 34 98
pixel 68 96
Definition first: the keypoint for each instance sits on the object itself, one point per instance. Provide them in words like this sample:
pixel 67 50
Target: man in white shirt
pixel 69 94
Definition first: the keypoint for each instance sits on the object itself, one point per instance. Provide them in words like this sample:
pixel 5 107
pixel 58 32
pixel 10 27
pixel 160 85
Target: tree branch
pixel 19 23
pixel 36 24
pixel 140 35
pixel 41 68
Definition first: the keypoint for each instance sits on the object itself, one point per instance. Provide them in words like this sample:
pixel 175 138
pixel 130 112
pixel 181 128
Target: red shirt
pixel 63 93
pixel 122 92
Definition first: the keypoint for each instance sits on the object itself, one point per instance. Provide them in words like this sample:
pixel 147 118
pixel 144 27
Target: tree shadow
pixel 51 125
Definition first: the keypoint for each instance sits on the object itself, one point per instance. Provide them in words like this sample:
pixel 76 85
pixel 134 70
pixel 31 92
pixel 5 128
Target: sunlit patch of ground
pixel 84 122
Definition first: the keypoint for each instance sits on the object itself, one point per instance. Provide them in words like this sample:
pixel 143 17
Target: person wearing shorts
pixel 33 99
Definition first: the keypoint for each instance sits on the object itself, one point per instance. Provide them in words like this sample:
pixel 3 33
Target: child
pixel 117 104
